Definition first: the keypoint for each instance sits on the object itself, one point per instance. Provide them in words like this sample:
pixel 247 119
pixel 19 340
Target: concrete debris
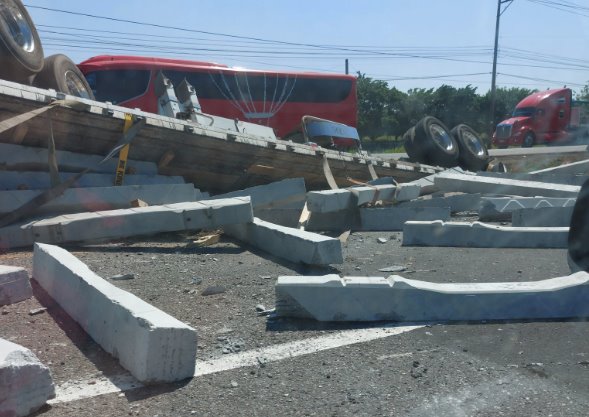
pixel 16 156
pixel 382 240
pixel 574 168
pixel 293 245
pixel 115 224
pixel 152 345
pixel 482 235
pixel 542 217
pixel 501 208
pixel 393 268
pixel 122 277
pixel 25 383
pixel 393 218
pixel 476 184
pixel 205 240
pixel 541 177
pixel 139 203
pixel 329 201
pixel 332 298
pixel 37 311
pixel 457 203
pixel 213 290
pixel 102 198
pixel 288 193
pixel 14 285
pixel 32 180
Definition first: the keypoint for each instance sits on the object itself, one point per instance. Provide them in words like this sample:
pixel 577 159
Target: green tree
pixel 372 103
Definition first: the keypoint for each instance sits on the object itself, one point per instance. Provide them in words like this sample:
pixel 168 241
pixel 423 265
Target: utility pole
pixel 494 76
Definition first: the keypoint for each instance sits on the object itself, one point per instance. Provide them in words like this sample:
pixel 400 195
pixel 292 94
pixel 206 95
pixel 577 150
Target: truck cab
pixel 543 117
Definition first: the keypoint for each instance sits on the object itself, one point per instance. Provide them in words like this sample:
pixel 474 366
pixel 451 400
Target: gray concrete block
pixel 574 168
pixel 328 201
pixel 77 200
pixel 14 156
pixel 393 218
pixel 288 193
pixel 25 383
pixel 288 217
pixel 28 180
pixel 482 235
pixel 427 185
pixel 294 245
pixel 476 184
pixel 116 224
pixel 336 221
pixel 547 177
pixel 331 298
pixel 457 203
pixel 542 217
pixel 14 285
pixel 152 345
pixel 501 208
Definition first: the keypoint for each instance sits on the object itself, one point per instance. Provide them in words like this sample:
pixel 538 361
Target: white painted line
pixel 92 387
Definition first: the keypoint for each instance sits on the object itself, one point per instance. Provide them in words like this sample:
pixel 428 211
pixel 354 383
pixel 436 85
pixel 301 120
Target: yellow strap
pixel 124 153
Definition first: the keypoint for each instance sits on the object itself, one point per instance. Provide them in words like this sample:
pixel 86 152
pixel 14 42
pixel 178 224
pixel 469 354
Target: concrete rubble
pixel 482 235
pixel 14 285
pixel 25 383
pixel 117 224
pixel 152 345
pixel 288 223
pixel 333 298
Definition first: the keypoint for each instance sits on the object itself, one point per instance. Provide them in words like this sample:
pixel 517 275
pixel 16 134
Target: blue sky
pixel 408 43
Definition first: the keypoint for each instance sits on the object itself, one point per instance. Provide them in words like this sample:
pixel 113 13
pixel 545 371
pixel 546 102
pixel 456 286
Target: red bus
pixel 270 98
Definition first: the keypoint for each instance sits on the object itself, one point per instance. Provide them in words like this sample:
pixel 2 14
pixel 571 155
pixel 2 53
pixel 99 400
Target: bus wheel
pixel 61 74
pixel 436 143
pixel 578 239
pixel 473 155
pixel 529 140
pixel 21 52
pixel 413 151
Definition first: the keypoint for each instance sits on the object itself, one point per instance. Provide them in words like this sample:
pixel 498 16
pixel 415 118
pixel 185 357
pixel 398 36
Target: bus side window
pixel 118 86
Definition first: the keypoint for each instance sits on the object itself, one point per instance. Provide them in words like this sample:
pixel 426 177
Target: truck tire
pixel 413 151
pixel 21 53
pixel 61 74
pixel 435 143
pixel 529 140
pixel 473 154
pixel 578 238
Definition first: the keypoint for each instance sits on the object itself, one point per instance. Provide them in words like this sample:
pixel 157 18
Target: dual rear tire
pixel 430 142
pixel 22 58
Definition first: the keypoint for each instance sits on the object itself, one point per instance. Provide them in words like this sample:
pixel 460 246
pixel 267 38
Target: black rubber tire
pixel 578 239
pixel 61 74
pixel 413 151
pixel 21 52
pixel 473 155
pixel 435 153
pixel 529 140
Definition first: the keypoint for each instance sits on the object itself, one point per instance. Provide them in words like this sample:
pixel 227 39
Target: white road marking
pixel 92 387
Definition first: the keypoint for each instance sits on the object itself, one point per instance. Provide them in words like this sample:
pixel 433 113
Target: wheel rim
pixel 473 143
pixel 75 85
pixel 441 137
pixel 18 27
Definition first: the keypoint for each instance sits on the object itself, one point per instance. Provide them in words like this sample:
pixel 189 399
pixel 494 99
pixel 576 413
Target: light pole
pixel 494 76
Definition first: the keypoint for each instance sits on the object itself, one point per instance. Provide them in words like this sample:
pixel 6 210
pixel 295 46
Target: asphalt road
pixel 428 369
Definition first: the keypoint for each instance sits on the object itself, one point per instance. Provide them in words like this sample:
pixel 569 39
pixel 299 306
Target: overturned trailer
pixel 216 156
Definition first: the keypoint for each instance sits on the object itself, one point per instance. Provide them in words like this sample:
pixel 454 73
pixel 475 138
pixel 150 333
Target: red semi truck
pixel 550 116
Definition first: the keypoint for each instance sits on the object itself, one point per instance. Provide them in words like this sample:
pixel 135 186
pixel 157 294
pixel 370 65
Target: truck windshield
pixel 524 112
